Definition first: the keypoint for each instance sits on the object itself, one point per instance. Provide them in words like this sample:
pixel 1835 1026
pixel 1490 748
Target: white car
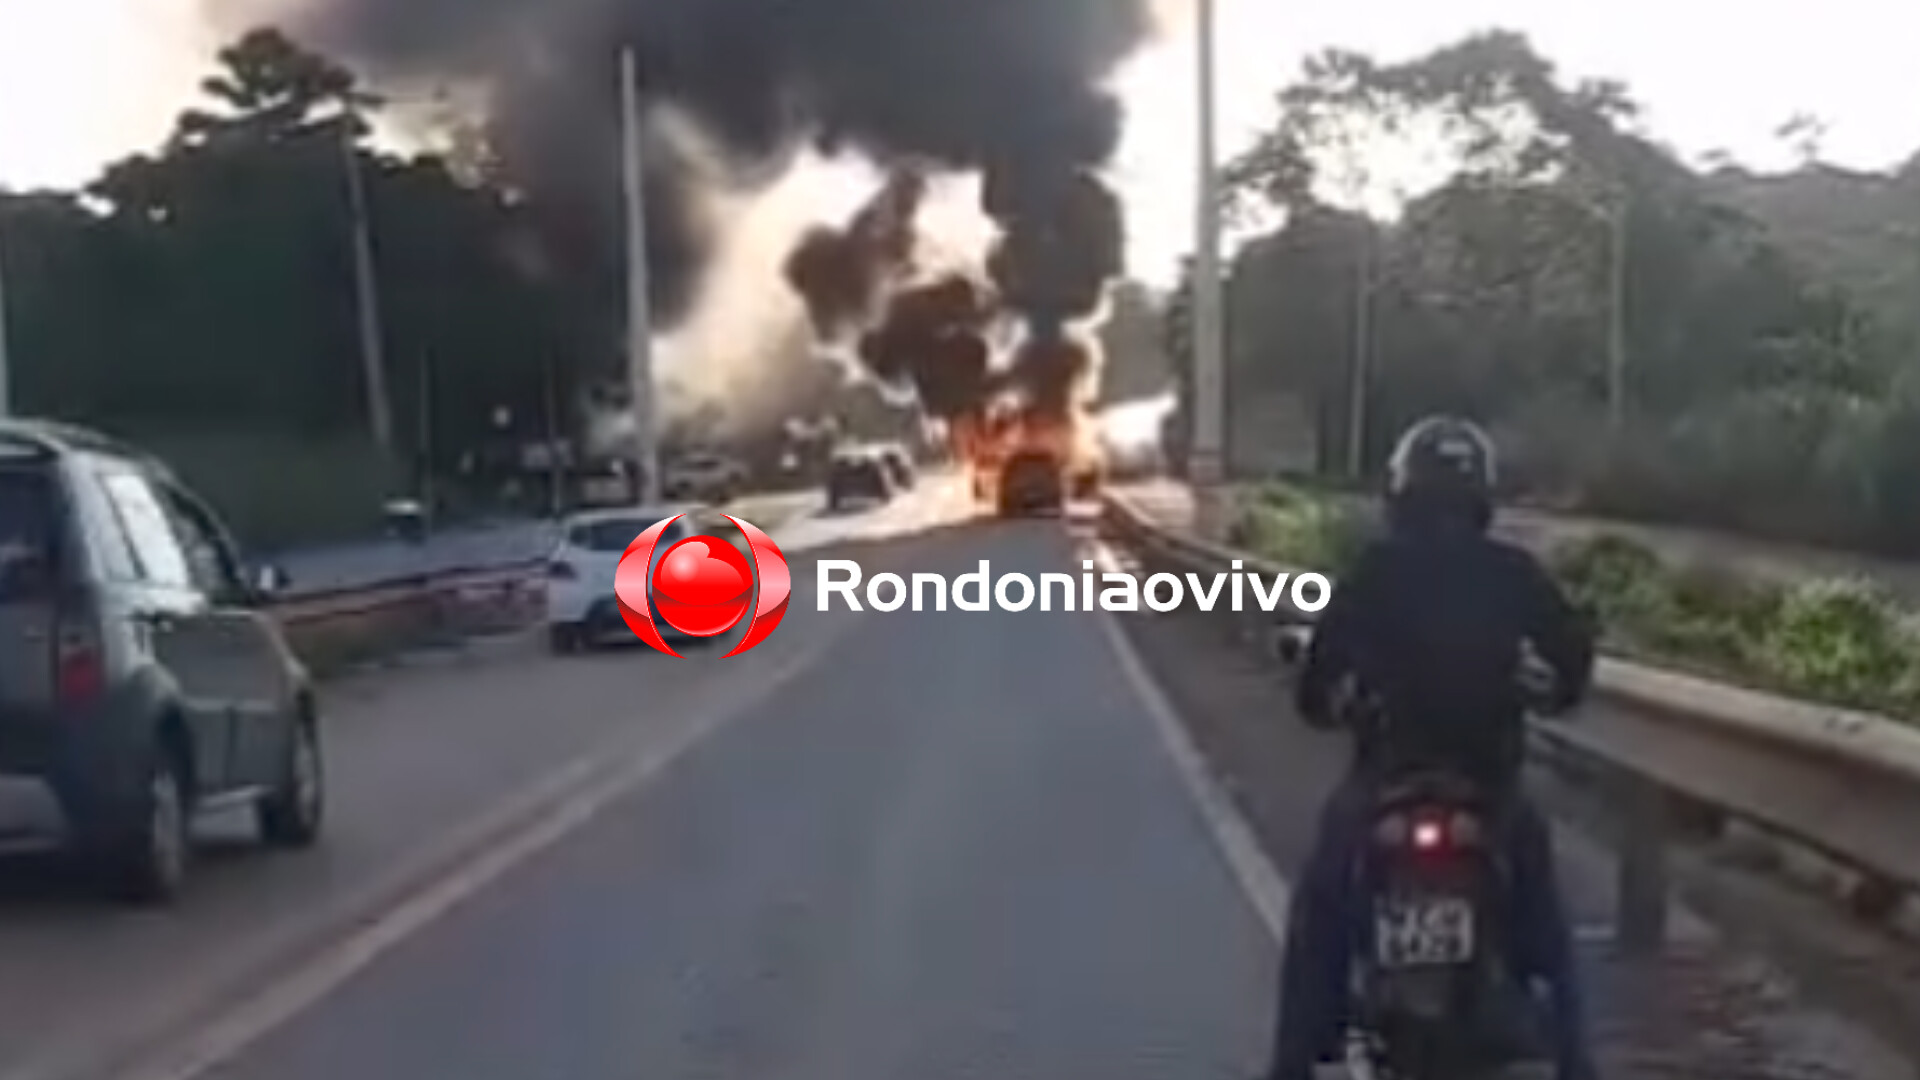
pixel 580 603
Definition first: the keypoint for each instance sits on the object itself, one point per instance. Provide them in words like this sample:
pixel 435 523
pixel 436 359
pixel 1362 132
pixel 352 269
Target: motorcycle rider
pixel 1432 620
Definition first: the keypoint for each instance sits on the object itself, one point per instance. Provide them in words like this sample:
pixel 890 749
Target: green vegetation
pixel 1840 641
pixel 1769 326
pixel 1299 527
pixel 278 491
pixel 203 296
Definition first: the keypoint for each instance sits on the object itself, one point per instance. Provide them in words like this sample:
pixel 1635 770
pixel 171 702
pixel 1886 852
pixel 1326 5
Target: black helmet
pixel 1442 471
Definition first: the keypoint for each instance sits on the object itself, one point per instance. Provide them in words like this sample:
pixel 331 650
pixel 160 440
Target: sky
pixel 84 81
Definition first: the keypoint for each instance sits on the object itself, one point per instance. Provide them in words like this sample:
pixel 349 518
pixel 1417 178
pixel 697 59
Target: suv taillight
pixel 80 670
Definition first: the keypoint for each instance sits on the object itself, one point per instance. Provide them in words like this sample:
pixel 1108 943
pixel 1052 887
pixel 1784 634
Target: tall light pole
pixel 6 370
pixel 367 293
pixel 1206 459
pixel 1362 373
pixel 639 306
pixel 424 436
pixel 555 477
pixel 1617 313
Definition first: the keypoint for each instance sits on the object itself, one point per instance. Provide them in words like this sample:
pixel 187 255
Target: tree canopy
pixel 1490 291
pixel 211 284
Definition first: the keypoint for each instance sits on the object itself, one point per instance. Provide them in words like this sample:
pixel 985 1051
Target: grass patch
pixel 1842 641
pixel 1302 528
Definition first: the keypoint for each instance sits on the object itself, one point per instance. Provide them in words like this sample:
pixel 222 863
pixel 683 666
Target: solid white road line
pixel 1263 884
pixel 224 1038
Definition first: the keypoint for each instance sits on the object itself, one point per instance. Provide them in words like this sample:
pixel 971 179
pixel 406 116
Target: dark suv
pixel 141 678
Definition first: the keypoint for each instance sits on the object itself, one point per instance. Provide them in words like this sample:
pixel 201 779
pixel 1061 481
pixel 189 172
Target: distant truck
pixel 1032 482
pixel 1036 481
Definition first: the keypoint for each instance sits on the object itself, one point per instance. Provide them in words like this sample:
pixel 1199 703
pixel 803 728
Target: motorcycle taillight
pixel 1429 833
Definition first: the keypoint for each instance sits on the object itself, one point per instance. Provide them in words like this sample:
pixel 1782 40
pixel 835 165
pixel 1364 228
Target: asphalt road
pixel 951 847
pixel 909 845
pixel 937 844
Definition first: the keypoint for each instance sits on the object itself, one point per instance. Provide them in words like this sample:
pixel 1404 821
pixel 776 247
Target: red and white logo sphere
pixel 703 586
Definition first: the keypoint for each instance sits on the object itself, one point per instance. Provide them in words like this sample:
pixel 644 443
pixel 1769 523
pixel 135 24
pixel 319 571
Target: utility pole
pixel 1362 376
pixel 1617 313
pixel 6 369
pixel 555 473
pixel 425 436
pixel 1206 458
pixel 367 294
pixel 639 307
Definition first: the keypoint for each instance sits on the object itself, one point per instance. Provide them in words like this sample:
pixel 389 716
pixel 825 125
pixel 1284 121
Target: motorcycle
pixel 1434 990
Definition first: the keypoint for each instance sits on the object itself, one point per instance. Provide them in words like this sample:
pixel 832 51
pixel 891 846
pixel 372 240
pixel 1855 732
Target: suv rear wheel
pixel 146 849
pixel 290 815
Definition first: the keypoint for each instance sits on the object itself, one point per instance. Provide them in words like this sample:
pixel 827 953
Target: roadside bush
pixel 1839 639
pixel 1833 640
pixel 1617 577
pixel 1305 529
pixel 1713 615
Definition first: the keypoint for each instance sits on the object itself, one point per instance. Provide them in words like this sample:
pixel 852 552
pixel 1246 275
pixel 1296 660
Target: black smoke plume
pixel 1007 87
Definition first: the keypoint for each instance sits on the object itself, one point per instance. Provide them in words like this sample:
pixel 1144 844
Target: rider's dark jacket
pixel 1432 618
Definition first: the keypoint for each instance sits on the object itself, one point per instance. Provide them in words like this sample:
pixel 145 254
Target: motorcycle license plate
pixel 1423 931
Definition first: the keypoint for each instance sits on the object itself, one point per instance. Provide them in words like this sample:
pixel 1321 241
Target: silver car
pixel 142 680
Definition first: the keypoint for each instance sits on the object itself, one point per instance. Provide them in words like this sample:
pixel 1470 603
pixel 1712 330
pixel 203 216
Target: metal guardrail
pixel 1644 803
pixel 340 629
pixel 352 601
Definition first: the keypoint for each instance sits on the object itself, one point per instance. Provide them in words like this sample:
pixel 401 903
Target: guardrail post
pixel 1641 896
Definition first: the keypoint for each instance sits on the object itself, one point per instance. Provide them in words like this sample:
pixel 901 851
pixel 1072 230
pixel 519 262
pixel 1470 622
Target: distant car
pixel 899 463
pixel 142 681
pixel 581 609
pixel 856 476
pixel 703 477
pixel 406 520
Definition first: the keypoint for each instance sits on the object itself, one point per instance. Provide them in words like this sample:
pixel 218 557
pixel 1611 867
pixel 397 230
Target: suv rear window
pixel 28 532
pixel 614 534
